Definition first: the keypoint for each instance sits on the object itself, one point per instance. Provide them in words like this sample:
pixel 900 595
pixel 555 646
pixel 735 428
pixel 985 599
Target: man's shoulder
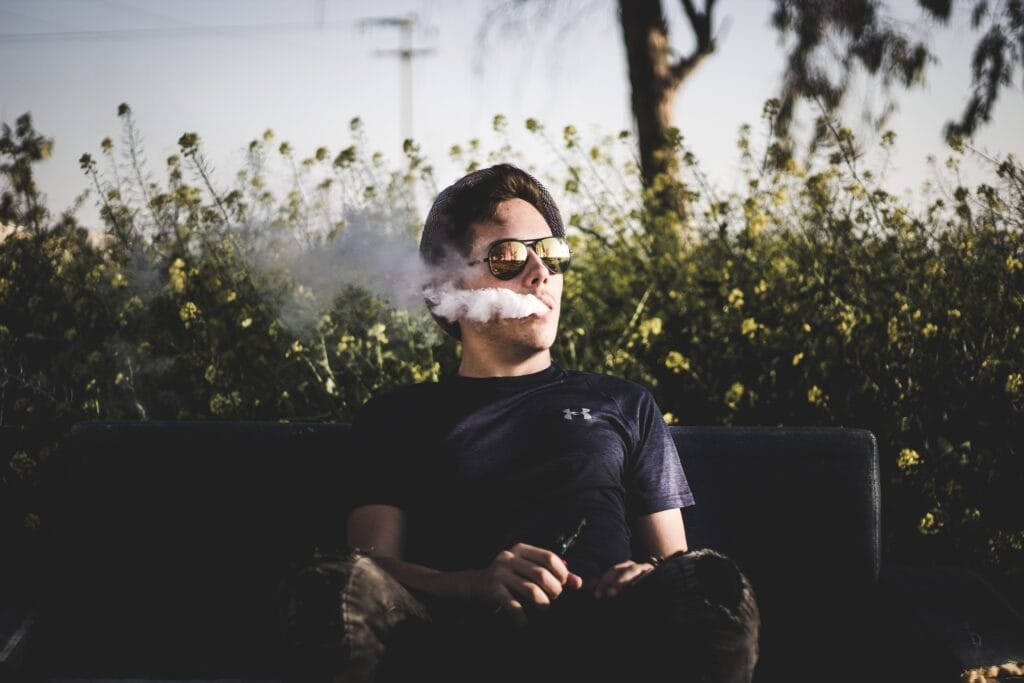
pixel 612 385
pixel 401 396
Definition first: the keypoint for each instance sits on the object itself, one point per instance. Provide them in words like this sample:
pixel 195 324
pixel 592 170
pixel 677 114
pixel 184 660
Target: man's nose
pixel 535 271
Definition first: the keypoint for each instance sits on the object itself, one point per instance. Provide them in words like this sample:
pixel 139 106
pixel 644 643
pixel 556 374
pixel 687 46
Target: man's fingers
pixel 538 575
pixel 529 592
pixel 513 608
pixel 619 576
pixel 543 557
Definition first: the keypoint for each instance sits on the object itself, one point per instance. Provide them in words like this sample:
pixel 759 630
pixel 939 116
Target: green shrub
pixel 811 297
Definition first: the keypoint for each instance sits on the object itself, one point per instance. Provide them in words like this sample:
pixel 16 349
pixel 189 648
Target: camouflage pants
pixel 695 615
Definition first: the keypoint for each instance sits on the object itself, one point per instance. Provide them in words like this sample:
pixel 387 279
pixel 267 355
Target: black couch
pixel 167 543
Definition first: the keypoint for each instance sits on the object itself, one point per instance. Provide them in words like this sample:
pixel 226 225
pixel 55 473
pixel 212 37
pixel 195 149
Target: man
pixel 517 518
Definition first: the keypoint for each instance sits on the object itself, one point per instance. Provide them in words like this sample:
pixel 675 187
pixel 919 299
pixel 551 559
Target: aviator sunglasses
pixel 506 258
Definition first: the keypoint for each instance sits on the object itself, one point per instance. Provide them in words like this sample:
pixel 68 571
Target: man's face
pixel 515 218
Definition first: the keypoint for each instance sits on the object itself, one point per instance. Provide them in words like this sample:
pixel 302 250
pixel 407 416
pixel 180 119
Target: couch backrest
pixel 170 539
pixel 799 511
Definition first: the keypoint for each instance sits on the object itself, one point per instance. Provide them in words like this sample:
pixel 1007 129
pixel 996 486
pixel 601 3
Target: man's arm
pixel 379 531
pixel 521 574
pixel 661 533
pixel 658 535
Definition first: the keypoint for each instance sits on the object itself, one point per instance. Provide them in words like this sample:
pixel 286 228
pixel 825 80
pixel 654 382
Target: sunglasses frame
pixel 530 245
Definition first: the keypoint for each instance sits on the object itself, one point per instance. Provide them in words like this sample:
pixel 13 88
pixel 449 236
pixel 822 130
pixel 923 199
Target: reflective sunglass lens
pixel 507 259
pixel 554 252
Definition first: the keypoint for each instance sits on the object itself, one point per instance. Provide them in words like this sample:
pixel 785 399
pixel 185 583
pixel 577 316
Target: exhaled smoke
pixel 369 253
pixel 481 305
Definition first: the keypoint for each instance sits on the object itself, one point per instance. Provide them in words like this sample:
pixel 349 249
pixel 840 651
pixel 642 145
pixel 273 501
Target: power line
pixel 132 33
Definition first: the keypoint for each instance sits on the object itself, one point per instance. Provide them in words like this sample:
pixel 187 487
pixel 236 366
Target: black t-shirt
pixel 480 464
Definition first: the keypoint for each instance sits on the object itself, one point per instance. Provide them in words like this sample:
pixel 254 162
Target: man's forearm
pixel 445 584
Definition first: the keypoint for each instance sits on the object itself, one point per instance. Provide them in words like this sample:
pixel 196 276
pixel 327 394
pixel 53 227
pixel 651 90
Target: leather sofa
pixel 167 542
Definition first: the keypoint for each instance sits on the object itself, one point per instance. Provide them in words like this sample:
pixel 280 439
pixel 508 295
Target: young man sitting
pixel 517 518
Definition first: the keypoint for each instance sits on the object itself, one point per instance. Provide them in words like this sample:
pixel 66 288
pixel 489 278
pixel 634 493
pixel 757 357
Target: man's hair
pixel 472 199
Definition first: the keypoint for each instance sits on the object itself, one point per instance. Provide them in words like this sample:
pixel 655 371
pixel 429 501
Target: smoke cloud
pixel 369 253
pixel 481 305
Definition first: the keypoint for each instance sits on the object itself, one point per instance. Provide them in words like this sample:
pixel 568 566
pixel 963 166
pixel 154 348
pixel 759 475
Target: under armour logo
pixel 569 413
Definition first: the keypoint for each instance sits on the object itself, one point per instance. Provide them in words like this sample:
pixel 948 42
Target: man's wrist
pixel 655 560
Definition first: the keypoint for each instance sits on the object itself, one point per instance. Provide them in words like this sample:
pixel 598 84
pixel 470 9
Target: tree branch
pixel 700 22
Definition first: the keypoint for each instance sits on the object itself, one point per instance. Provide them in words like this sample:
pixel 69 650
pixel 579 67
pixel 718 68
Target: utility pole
pixel 405 53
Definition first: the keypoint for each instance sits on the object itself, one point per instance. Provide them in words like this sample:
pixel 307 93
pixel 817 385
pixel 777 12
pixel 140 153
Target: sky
pixel 228 70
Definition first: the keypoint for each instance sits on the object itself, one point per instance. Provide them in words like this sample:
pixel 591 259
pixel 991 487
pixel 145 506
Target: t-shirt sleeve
pixel 380 471
pixel 655 474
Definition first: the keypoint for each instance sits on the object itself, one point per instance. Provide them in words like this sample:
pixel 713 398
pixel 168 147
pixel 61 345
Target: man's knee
pixel 339 612
pixel 701 607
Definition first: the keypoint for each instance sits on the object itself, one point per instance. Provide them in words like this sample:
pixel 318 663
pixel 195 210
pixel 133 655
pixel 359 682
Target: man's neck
pixel 478 364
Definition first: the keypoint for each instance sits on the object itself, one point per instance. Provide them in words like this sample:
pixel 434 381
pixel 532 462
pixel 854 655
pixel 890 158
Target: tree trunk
pixel 655 78
pixel 645 33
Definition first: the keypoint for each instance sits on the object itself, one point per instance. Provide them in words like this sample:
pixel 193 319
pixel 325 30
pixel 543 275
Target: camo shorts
pixel 348 619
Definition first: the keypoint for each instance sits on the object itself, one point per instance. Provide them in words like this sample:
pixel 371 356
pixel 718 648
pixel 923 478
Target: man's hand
pixel 619 576
pixel 524 575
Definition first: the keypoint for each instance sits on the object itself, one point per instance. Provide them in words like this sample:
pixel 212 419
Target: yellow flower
pixel 245 322
pixel 649 328
pixel 1013 264
pixel 222 404
pixel 188 313
pixel 908 458
pixel 894 330
pixel 176 274
pixel 677 362
pixel 750 327
pixel 734 394
pixel 797 358
pixel 669 419
pixel 931 523
pixel 756 224
pixel 815 396
pixel 344 341
pixel 1014 383
pixel 376 331
pixel 736 298
pixel 929 330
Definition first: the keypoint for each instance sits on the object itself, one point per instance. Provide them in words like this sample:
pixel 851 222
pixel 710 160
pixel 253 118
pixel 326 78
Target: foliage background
pixel 811 297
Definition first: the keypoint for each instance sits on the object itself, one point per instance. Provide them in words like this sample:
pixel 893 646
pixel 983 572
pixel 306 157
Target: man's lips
pixel 546 300
pixel 547 303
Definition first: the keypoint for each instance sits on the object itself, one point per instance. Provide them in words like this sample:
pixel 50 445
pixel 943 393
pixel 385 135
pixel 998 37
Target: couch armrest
pixel 949 620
